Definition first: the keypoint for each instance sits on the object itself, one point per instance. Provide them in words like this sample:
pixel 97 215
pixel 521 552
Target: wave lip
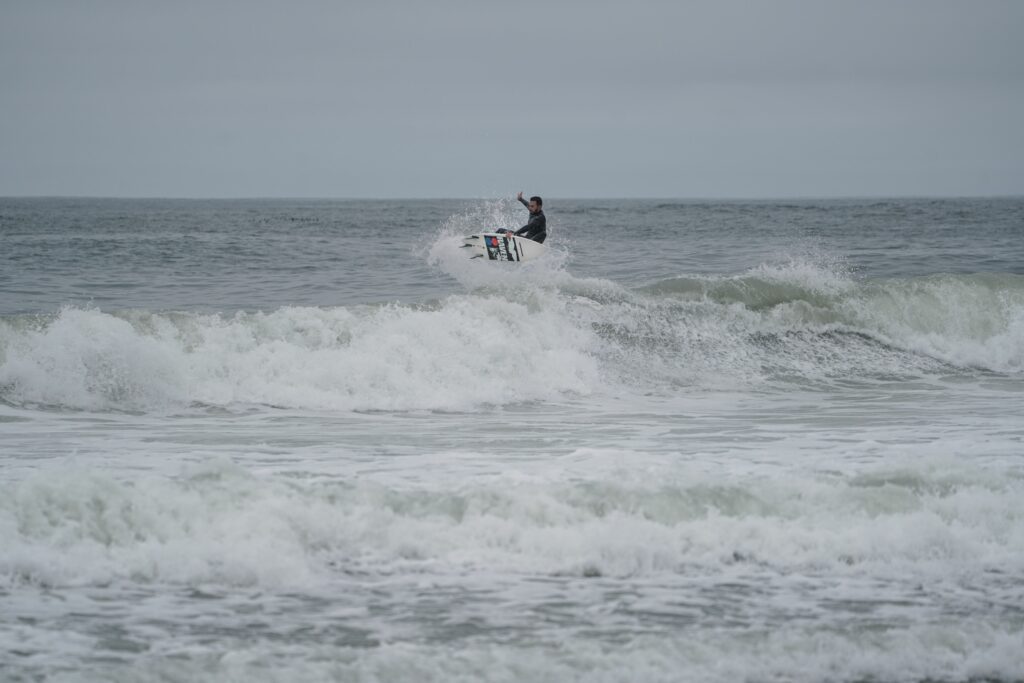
pixel 969 321
pixel 962 321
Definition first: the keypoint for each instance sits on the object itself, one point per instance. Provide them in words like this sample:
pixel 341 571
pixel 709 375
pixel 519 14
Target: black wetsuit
pixel 537 228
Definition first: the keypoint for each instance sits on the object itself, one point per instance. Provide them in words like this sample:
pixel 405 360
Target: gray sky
pixel 461 98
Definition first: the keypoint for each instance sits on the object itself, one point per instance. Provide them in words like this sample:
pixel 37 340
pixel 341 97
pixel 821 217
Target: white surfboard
pixel 502 247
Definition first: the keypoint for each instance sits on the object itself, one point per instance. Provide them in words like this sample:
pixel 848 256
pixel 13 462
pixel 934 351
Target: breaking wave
pixel 522 340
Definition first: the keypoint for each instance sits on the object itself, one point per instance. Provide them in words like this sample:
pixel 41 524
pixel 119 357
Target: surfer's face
pixel 533 207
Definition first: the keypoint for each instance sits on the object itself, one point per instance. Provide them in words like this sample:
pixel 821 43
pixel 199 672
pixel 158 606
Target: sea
pixel 710 441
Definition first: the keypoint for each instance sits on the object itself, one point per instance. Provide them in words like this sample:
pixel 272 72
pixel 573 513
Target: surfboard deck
pixel 502 247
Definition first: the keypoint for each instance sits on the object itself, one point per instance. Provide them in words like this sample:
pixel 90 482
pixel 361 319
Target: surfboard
pixel 502 247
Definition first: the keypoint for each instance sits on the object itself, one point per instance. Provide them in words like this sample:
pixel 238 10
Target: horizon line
pixel 710 198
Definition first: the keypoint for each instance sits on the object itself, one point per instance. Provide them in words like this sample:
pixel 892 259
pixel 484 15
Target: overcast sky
pixel 453 98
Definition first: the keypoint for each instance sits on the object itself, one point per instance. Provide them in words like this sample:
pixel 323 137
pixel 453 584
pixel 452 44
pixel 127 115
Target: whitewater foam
pixel 222 524
pixel 464 353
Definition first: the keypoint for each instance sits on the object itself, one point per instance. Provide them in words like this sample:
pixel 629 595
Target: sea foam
pixel 223 524
pixel 464 353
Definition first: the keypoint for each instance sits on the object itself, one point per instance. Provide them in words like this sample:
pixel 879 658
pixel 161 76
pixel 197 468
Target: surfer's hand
pixel 519 196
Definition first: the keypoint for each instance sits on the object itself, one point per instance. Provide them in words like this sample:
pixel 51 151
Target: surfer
pixel 536 228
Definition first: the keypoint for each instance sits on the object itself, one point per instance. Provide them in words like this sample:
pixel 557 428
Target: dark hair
pixel 540 202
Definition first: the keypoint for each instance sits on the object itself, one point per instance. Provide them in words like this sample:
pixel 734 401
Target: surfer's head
pixel 535 204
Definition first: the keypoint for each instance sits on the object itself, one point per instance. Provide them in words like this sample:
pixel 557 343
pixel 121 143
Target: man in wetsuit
pixel 537 227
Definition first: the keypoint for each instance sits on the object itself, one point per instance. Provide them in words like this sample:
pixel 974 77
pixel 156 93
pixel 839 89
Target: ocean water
pixel 698 441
